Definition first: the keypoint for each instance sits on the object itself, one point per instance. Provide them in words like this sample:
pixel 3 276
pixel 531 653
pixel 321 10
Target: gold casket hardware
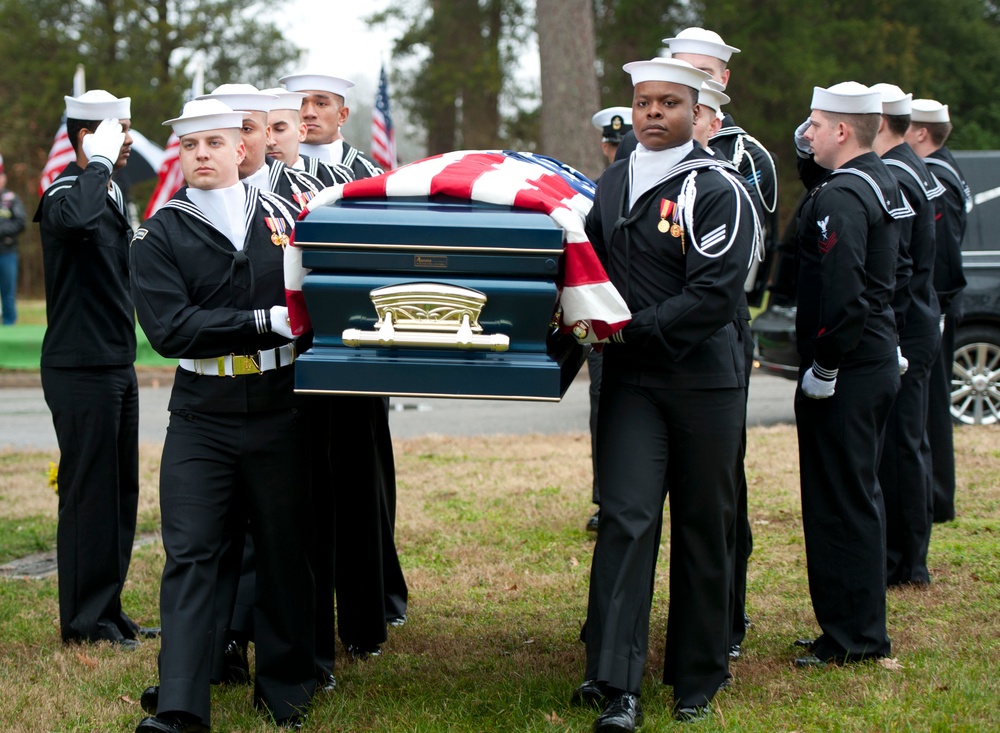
pixel 427 315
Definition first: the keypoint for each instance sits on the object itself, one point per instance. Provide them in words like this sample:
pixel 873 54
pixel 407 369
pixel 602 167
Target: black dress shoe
pixel 148 632
pixel 150 699
pixel 157 724
pixel 129 645
pixel 359 653
pixel 589 694
pixel 692 714
pixel 735 651
pixel 807 643
pixel 810 661
pixel 594 522
pixel 622 714
pixel 326 682
pixel 235 667
pixel 396 621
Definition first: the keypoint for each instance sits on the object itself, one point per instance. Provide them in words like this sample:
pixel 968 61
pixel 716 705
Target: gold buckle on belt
pixel 245 364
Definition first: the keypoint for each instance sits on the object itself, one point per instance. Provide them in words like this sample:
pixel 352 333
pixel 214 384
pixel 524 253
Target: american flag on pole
pixel 383 136
pixel 60 156
pixel 590 305
pixel 171 177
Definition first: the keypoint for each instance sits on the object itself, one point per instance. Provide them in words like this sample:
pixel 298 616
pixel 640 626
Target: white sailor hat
pixel 245 97
pixel 286 99
pixel 315 81
pixel 929 110
pixel 847 97
pixel 205 114
pixel 702 42
pixel 613 122
pixel 98 104
pixel 713 94
pixel 894 100
pixel 672 70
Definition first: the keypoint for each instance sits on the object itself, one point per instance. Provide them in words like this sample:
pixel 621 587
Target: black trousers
pixel 903 474
pixel 369 582
pixel 595 363
pixel 219 472
pixel 95 412
pixel 940 436
pixel 396 591
pixel 841 508
pixel 649 440
pixel 744 536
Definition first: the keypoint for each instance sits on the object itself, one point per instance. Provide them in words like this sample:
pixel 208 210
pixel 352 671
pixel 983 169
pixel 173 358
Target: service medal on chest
pixel 277 226
pixel 669 215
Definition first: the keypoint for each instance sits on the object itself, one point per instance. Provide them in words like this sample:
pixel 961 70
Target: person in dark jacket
pixel 88 373
pixel 12 223
pixel 286 131
pixel 904 474
pixel 704 49
pixel 930 126
pixel 324 111
pixel 847 238
pixel 371 592
pixel 675 230
pixel 207 278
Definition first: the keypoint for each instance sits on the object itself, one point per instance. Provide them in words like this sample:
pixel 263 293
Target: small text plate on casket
pixel 436 262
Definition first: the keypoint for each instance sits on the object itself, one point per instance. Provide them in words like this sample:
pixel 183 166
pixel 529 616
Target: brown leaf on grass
pixel 891 664
pixel 86 660
pixel 512 587
pixel 554 719
pixel 127 700
pixel 574 562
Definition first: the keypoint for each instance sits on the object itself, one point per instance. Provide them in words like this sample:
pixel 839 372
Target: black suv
pixel 975 396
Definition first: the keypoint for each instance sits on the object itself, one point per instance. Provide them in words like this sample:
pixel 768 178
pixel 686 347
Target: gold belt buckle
pixel 245 365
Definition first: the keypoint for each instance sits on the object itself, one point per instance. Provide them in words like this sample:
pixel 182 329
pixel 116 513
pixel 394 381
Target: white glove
pixel 802 146
pixel 279 321
pixel 105 142
pixel 816 388
pixel 904 363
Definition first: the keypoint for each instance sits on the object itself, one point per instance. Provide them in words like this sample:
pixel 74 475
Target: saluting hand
pixel 802 146
pixel 105 142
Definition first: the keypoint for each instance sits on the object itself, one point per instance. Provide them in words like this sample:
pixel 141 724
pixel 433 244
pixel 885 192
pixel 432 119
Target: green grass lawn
pixel 21 344
pixel 490 534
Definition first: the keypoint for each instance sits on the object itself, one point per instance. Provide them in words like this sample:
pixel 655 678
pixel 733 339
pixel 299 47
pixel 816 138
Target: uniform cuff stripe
pixel 263 320
pixel 827 375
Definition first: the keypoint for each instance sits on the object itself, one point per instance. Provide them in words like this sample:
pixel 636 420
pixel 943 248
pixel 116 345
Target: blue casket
pixel 433 297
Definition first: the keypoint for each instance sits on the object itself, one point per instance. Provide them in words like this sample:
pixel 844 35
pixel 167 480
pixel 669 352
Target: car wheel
pixel 975 376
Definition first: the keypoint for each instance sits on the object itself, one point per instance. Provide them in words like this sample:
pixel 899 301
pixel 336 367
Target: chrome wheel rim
pixel 975 384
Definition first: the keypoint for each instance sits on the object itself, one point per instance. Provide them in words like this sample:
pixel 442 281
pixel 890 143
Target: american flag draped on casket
pixel 588 304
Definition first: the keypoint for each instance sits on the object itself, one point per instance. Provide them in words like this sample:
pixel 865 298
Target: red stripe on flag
pixel 581 266
pixel 60 156
pixel 298 316
pixel 458 178
pixel 171 177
